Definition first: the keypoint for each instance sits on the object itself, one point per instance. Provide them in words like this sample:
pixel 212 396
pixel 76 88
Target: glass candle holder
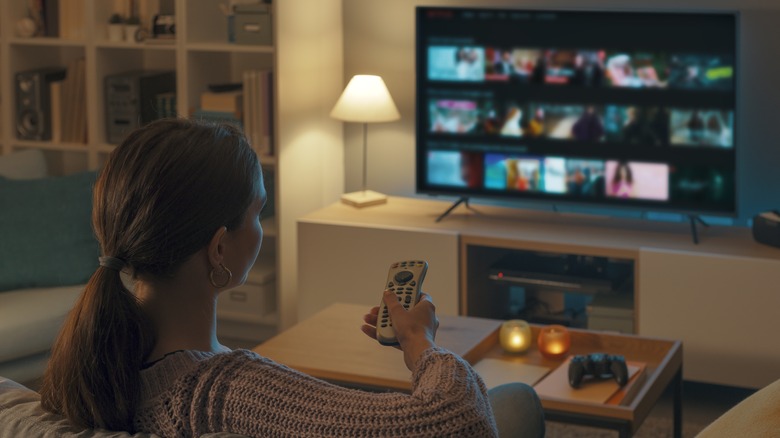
pixel 554 341
pixel 515 336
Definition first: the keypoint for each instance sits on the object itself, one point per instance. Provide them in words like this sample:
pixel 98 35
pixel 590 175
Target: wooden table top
pixel 331 346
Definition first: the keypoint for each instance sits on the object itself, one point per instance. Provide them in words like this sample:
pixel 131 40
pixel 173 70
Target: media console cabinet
pixel 720 297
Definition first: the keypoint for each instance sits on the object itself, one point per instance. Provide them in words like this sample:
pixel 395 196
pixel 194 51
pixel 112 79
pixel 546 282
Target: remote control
pixel 405 280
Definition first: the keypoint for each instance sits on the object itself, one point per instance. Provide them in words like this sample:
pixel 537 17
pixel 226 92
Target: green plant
pixel 133 20
pixel 115 19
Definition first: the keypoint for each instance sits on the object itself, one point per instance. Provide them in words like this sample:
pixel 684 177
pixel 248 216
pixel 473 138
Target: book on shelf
pixel 55 91
pixel 165 104
pixel 258 109
pixel 64 22
pixel 51 17
pixel 72 109
pixel 603 391
pixel 228 101
pixel 57 18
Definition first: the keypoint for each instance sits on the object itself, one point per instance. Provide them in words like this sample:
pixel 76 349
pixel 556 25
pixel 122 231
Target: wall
pixel 308 57
pixel 379 39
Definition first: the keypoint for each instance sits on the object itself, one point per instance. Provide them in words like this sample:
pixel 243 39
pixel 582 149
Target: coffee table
pixel 330 346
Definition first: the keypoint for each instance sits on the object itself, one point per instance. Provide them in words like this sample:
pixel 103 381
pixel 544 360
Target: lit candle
pixel 515 336
pixel 554 341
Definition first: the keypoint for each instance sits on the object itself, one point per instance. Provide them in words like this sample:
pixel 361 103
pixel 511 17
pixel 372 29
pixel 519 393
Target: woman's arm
pixel 243 393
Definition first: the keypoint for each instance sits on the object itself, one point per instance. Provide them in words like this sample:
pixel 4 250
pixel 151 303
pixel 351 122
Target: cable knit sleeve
pixel 243 393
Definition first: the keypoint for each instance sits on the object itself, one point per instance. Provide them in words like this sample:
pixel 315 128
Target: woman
pixel 177 206
pixel 622 185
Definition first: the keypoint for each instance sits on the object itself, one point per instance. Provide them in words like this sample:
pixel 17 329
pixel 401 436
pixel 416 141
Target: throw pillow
pixel 46 232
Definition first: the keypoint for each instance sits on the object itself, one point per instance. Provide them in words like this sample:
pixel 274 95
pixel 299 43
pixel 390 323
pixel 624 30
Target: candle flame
pixel 555 348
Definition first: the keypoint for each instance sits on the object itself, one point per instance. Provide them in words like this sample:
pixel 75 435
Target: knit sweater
pixel 191 393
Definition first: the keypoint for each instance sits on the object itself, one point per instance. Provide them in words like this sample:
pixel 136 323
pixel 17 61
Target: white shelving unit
pixel 308 79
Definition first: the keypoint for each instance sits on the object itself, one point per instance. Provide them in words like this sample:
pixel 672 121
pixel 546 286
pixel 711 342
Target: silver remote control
pixel 405 279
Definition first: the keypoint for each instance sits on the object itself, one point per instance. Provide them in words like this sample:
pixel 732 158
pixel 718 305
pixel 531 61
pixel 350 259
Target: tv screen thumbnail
pixel 632 109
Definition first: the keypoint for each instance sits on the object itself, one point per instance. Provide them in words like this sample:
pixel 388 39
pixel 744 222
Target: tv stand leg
pixel 696 219
pixel 462 200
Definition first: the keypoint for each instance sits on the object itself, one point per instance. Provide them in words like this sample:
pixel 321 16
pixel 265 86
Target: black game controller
pixel 598 365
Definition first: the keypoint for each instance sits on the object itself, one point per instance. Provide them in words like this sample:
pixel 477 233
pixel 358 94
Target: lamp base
pixel 363 198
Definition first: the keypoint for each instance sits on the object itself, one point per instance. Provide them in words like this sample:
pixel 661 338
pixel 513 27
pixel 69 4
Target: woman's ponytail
pixel 92 376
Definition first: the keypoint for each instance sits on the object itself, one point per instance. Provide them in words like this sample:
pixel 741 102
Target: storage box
pixel 252 24
pixel 611 313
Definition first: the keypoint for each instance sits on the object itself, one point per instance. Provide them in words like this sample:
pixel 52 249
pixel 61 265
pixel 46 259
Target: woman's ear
pixel 216 248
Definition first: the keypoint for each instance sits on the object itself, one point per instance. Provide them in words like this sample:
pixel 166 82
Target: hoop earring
pixel 225 271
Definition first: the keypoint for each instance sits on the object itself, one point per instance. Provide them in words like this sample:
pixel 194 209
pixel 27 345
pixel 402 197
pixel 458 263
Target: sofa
pixel 755 416
pixel 47 253
pixel 21 415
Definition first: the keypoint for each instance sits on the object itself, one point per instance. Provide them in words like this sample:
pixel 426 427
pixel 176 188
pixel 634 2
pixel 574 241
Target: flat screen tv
pixel 616 109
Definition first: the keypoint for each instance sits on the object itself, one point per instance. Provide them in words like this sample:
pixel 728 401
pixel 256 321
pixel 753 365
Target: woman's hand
pixel 415 329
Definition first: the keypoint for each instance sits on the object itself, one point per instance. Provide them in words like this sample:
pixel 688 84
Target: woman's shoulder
pixel 191 365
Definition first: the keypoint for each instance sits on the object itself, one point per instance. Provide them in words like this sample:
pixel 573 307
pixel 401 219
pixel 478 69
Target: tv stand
pixel 726 284
pixel 462 200
pixel 694 232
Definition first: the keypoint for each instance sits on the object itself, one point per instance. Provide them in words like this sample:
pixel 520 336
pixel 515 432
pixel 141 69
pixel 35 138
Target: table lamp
pixel 366 100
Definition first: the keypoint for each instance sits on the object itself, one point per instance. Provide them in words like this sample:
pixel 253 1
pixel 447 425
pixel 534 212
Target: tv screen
pixel 612 108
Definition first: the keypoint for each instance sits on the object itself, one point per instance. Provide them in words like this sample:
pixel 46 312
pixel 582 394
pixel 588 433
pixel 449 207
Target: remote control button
pixel 408 299
pixel 390 284
pixel 399 291
pixel 403 277
pixel 384 325
pixel 413 283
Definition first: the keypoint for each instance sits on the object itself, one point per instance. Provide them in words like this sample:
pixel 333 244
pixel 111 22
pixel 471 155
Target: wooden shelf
pixel 48 146
pixel 134 46
pixel 228 48
pixel 47 41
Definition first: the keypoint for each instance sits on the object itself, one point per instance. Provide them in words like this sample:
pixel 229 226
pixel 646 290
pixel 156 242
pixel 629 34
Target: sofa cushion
pixel 31 318
pixel 21 415
pixel 27 164
pixel 26 369
pixel 47 232
pixel 755 416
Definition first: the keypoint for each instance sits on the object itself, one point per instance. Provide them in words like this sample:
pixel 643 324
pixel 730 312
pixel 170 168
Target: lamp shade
pixel 366 99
